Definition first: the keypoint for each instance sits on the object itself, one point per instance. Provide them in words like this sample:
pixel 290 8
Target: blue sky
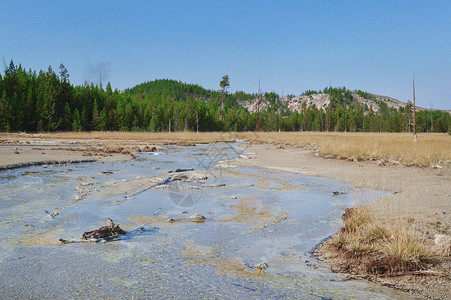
pixel 290 46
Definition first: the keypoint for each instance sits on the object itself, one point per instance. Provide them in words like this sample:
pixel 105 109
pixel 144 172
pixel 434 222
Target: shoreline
pixel 45 162
pixel 421 193
pixel 40 152
pixel 426 191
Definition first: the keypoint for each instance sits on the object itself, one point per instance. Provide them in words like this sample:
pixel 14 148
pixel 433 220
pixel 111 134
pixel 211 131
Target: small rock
pixel 381 162
pixel 260 267
pixel 197 218
pixel 437 167
pixel 233 197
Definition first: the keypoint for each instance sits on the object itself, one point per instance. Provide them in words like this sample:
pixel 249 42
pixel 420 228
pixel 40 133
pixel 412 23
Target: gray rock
pixel 197 218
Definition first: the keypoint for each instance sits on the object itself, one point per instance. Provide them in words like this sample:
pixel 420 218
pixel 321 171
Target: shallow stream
pixel 253 216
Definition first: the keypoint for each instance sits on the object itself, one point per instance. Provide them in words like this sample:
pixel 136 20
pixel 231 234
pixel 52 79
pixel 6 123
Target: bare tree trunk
pixel 414 114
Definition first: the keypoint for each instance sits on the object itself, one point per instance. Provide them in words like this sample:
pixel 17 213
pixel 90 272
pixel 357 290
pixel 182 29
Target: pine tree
pixel 95 116
pixel 5 113
pixel 67 118
pixel 76 125
pixel 102 121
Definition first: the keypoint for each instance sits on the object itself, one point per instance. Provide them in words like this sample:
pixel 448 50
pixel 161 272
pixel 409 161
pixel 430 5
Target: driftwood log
pixel 103 232
pixel 109 231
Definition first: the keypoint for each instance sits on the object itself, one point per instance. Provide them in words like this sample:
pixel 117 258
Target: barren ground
pixel 422 193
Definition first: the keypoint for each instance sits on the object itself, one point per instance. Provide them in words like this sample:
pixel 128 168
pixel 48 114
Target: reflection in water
pixel 260 226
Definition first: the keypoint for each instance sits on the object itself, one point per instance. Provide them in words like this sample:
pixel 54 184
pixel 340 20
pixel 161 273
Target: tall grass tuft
pixel 406 247
pixel 392 238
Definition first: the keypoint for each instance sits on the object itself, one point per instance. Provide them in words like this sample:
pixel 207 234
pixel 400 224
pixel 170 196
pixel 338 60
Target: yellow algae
pixel 230 267
pixel 251 210
pixel 195 251
pixel 137 219
pixel 48 238
pixel 225 218
pixel 207 255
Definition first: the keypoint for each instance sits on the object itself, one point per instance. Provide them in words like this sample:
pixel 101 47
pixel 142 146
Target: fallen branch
pixel 420 272
pixel 73 241
pixel 166 181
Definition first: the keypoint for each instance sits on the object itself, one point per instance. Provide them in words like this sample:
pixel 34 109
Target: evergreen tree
pixel 5 113
pixel 67 118
pixel 76 125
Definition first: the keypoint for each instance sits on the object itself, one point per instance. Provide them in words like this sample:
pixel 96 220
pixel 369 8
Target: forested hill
pixel 47 101
pixel 175 89
pixel 180 91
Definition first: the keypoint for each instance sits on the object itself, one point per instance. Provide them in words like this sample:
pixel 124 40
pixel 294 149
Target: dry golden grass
pixel 396 238
pixel 143 137
pixel 404 246
pixel 430 149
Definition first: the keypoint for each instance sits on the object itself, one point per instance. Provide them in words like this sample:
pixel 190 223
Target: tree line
pixel 47 101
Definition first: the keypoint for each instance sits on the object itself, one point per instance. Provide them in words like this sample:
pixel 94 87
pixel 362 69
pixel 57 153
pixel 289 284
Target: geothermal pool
pixel 254 217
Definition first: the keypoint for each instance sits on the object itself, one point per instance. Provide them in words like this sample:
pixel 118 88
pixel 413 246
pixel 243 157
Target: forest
pixel 48 102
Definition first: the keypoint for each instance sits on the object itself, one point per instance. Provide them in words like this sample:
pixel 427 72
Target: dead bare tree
pixel 414 117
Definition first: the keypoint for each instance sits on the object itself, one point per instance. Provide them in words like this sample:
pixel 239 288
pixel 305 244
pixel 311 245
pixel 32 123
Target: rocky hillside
pixel 322 100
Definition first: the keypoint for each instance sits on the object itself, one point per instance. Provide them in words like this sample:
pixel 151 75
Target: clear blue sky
pixel 290 45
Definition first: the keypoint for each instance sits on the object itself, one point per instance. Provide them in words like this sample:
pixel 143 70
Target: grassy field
pixel 430 149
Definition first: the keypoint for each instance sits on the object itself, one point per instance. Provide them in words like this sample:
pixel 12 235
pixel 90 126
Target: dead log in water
pixel 104 233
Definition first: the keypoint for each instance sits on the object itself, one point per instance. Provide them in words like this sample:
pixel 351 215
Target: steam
pixel 95 71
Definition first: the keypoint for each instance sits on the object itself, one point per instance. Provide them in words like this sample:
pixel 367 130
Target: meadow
pixel 429 150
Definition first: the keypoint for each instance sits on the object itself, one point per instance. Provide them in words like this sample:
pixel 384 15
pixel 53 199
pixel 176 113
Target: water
pixel 254 216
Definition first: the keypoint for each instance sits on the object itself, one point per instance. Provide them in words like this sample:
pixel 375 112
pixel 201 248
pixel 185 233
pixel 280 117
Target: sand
pixel 425 193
